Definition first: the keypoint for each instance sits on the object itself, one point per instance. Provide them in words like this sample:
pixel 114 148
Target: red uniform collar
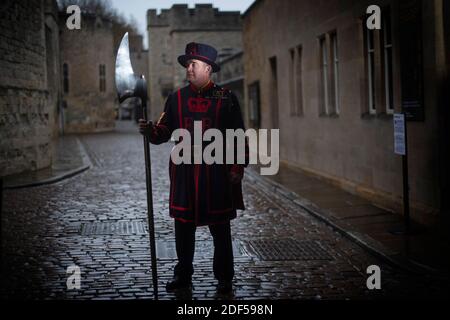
pixel 207 86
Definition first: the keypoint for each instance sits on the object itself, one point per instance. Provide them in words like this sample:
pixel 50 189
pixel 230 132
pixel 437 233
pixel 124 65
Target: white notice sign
pixel 399 134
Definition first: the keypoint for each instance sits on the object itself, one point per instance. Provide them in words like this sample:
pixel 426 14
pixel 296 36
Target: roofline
pixel 252 6
pixel 234 55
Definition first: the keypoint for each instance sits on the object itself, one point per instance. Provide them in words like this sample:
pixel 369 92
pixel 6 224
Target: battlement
pixel 157 20
pixel 203 16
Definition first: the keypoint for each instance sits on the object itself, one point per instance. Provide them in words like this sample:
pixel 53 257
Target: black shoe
pixel 224 287
pixel 178 283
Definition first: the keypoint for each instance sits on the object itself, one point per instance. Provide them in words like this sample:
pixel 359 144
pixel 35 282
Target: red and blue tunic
pixel 202 193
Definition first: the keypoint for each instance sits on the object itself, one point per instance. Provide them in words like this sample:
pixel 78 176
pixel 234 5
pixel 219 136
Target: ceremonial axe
pixel 128 86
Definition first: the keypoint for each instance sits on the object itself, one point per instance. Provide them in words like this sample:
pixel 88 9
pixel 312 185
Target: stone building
pixel 87 64
pixel 313 69
pixel 29 84
pixel 171 30
pixel 231 76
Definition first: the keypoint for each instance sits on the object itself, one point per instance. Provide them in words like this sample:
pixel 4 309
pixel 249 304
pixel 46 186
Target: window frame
pixel 335 58
pixel 324 75
pixel 388 60
pixel 369 51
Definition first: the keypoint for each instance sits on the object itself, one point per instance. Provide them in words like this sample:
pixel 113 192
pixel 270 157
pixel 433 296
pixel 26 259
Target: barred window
pixel 370 54
pixel 296 85
pixel 102 76
pixel 324 75
pixel 378 48
pixel 387 45
pixel 335 73
pixel 254 105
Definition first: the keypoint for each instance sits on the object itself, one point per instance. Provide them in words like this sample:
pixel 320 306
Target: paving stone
pixel 44 238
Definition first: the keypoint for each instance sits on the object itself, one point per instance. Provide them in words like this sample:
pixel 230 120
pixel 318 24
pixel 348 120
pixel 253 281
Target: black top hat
pixel 201 52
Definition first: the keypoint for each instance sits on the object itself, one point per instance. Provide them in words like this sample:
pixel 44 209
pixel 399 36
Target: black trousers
pixel 223 265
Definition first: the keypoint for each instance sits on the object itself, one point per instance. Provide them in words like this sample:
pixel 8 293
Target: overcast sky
pixel 138 8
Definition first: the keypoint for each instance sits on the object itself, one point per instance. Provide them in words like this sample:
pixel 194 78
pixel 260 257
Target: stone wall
pixel 28 81
pixel 53 66
pixel 86 107
pixel 231 76
pixel 352 149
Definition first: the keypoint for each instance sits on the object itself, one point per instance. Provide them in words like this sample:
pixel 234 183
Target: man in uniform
pixel 201 194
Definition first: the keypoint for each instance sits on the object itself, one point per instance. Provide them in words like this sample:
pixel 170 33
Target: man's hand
pixel 236 173
pixel 145 127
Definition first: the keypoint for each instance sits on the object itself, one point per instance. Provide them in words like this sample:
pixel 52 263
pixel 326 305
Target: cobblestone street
pixel 97 219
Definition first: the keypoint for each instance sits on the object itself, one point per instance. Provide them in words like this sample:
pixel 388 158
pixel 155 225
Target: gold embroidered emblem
pixel 218 94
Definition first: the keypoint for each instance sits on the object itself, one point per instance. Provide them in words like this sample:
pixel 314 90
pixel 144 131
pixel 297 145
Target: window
pixel 292 82
pixel 387 45
pixel 66 78
pixel 295 83
pixel 335 73
pixel 370 53
pixel 378 50
pixel 324 75
pixel 273 90
pixel 299 80
pixel 102 77
pixel 254 106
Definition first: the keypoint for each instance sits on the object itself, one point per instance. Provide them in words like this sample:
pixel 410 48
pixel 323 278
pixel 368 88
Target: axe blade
pixel 125 78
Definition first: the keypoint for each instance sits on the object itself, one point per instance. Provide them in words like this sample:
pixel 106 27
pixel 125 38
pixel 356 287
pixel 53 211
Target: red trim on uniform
pixel 198 104
pixel 182 220
pixel 194 55
pixel 199 55
pixel 179 208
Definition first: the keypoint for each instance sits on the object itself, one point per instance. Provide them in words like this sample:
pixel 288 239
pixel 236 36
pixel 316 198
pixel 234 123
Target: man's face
pixel 197 72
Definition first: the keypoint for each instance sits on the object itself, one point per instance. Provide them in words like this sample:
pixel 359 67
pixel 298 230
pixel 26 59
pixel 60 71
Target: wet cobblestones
pixel 41 237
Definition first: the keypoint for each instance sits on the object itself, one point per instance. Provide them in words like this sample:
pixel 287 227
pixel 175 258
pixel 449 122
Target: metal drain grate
pixel 113 228
pixel 287 249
